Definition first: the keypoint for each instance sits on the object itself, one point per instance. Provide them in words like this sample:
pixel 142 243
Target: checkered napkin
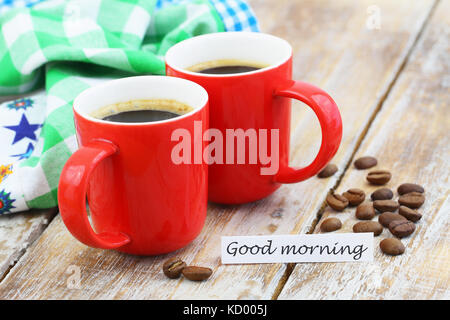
pixel 68 46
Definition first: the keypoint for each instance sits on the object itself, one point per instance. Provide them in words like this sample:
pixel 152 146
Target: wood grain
pixel 17 233
pixel 333 49
pixel 410 137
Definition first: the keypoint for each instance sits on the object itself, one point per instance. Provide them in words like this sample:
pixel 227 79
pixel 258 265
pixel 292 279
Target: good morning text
pixel 343 247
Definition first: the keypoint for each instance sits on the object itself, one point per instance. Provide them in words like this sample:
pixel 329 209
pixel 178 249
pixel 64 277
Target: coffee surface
pixel 141 116
pixel 228 70
pixel 226 66
pixel 138 111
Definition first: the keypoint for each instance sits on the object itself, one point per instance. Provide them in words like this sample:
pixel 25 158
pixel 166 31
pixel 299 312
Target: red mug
pixel 255 102
pixel 141 202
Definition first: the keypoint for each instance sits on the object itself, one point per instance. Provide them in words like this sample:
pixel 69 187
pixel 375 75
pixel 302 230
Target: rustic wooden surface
pixel 17 232
pixel 409 137
pixel 359 67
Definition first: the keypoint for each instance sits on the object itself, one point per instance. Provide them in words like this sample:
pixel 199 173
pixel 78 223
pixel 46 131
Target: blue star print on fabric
pixel 24 130
pixel 26 154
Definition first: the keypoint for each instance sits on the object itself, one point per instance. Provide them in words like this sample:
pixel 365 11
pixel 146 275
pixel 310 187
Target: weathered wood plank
pixel 17 232
pixel 410 138
pixel 335 50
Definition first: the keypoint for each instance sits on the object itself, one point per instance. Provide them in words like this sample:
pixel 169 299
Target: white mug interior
pixel 140 88
pixel 260 48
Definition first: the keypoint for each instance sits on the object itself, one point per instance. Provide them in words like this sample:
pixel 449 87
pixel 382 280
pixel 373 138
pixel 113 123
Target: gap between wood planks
pixel 51 214
pixel 290 266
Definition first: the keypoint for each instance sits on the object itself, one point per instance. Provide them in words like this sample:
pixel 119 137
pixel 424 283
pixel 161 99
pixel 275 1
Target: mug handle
pixel 72 190
pixel 330 120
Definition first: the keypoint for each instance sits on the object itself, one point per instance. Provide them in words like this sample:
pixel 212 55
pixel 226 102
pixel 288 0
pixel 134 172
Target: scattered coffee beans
pixel 401 229
pixel 382 194
pixel 365 162
pixel 365 211
pixel 410 214
pixel 387 217
pixel 172 268
pixel 379 177
pixel 385 205
pixel 392 246
pixel 328 171
pixel 337 202
pixel 368 226
pixel 195 273
pixel 330 224
pixel 355 196
pixel 412 200
pixel 409 187
pixel 411 196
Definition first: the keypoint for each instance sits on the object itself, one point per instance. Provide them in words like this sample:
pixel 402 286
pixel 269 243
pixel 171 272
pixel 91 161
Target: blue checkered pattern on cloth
pixel 236 14
pixel 5 5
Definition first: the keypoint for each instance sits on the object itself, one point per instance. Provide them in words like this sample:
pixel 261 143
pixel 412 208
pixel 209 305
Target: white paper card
pixel 336 247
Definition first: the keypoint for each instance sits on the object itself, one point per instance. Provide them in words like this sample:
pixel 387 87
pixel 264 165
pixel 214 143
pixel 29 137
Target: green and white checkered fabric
pixel 67 46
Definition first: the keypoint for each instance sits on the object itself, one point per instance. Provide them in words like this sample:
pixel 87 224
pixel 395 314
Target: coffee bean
pixel 368 226
pixel 392 246
pixel 365 162
pixel 328 171
pixel 409 187
pixel 195 273
pixel 410 214
pixel 379 177
pixel 330 224
pixel 337 202
pixel 385 205
pixel 355 196
pixel 382 194
pixel 173 267
pixel 412 200
pixel 387 217
pixel 365 211
pixel 401 229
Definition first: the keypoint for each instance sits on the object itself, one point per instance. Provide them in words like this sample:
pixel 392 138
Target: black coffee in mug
pixel 138 111
pixel 141 116
pixel 228 70
pixel 227 66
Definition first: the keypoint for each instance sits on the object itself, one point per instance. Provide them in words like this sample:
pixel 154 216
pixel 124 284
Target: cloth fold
pixel 68 46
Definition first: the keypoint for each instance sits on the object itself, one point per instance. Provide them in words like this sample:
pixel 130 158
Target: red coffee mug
pixel 257 103
pixel 141 202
